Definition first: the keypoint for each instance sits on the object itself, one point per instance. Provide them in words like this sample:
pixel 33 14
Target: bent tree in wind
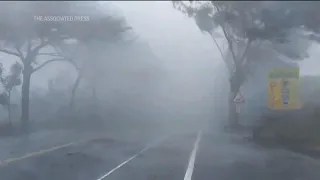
pixel 34 42
pixel 95 37
pixel 244 25
pixel 9 82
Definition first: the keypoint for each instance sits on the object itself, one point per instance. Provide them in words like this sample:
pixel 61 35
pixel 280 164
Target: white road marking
pixel 128 160
pixel 192 158
pixel 33 154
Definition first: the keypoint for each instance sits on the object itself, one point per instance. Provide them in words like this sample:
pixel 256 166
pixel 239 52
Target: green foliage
pixel 14 78
pixel 280 26
pixel 10 81
pixel 24 34
pixel 255 20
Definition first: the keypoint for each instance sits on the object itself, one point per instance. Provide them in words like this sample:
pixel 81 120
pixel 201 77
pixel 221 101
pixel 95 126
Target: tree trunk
pixel 236 81
pixel 25 98
pixel 9 108
pixel 233 115
pixel 74 89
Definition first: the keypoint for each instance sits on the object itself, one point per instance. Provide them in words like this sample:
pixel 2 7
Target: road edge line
pixel 37 153
pixel 192 158
pixel 131 158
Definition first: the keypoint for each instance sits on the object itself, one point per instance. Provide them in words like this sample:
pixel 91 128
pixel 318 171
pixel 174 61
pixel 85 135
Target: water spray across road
pixel 197 155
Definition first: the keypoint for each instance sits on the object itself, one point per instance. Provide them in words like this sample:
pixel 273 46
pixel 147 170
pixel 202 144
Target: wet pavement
pixel 219 155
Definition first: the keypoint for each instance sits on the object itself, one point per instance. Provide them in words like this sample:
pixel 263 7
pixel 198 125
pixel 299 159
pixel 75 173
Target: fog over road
pixel 150 107
pixel 190 155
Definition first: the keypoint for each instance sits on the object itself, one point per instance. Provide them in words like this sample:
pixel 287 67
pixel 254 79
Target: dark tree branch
pixel 45 63
pixel 221 53
pixel 59 54
pixel 19 52
pixel 216 43
pixel 50 54
pixel 55 60
pixel 29 46
pixel 245 51
pixel 229 44
pixel 33 53
pixel 36 50
pixel 226 35
pixel 10 52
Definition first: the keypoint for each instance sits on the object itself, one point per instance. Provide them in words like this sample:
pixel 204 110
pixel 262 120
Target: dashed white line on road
pixel 128 160
pixel 192 158
pixel 123 163
pixel 37 153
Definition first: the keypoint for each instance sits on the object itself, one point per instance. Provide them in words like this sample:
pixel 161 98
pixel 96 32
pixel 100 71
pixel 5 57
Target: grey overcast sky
pixel 174 38
pixel 171 34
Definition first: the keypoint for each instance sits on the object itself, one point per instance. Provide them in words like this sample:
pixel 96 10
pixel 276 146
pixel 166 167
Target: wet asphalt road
pixel 219 156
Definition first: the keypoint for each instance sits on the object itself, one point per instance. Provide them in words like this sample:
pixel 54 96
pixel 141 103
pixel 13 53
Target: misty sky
pixel 174 38
pixel 169 32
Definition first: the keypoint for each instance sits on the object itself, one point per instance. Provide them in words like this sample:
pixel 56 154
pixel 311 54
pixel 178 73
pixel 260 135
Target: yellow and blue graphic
pixel 284 89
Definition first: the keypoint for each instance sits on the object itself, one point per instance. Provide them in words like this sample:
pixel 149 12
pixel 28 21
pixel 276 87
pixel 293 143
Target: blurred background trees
pixel 243 27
